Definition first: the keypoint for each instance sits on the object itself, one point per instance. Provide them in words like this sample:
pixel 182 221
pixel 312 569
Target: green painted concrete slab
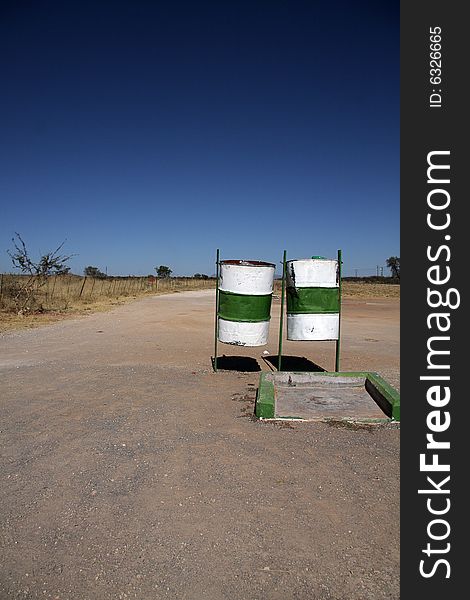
pixel 356 396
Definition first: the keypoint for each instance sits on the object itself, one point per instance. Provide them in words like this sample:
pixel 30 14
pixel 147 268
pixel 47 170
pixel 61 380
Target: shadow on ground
pixel 293 363
pixel 237 363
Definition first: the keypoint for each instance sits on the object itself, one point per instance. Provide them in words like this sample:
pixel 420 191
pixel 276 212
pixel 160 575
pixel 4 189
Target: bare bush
pixel 35 273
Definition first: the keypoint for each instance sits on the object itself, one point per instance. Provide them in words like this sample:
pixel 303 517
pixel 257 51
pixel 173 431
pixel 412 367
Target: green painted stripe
pixel 386 396
pixel 312 300
pixel 241 307
pixel 264 407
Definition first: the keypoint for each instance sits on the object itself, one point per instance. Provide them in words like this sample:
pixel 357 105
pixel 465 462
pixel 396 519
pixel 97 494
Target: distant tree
pixel 163 271
pixel 200 276
pixel 393 263
pixel 94 272
pixel 51 263
pixel 37 272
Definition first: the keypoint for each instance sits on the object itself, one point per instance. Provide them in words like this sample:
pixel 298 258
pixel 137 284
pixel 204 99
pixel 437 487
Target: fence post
pixel 53 287
pixel 92 286
pixel 83 285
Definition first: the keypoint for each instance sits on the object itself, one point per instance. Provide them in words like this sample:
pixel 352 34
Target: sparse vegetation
pixel 393 263
pixel 163 272
pixel 94 272
pixel 25 291
pixel 353 289
pixel 69 294
pixel 360 289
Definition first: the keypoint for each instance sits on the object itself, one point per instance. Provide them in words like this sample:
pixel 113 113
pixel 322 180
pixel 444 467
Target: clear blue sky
pixel 150 133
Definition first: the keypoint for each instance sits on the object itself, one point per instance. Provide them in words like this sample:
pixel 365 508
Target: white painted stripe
pixel 312 272
pixel 252 281
pixel 243 334
pixel 313 327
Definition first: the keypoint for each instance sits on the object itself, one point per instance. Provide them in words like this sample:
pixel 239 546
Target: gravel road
pixel 130 470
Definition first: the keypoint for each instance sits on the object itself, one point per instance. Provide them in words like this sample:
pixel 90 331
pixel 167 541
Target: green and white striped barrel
pixel 312 299
pixel 245 294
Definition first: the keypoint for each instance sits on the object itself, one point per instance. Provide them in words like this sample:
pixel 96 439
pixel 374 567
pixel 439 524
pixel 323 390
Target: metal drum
pixel 244 308
pixel 313 300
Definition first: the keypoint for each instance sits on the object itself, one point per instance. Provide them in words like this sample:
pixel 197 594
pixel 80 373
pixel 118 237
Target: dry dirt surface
pixel 130 470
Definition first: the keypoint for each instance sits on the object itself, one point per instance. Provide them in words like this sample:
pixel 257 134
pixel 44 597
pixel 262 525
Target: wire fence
pixel 59 292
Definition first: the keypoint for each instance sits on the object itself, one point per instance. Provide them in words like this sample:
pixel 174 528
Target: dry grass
pixel 353 289
pixel 70 295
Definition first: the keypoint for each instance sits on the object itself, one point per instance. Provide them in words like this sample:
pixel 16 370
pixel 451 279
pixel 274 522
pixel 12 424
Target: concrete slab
pixel 331 399
pixel 324 396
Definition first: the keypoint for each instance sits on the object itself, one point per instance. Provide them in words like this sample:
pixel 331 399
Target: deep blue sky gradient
pixel 150 133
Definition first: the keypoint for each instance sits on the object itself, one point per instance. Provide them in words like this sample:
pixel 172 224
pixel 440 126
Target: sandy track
pixel 130 470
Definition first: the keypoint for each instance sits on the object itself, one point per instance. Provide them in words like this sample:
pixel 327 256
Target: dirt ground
pixel 130 470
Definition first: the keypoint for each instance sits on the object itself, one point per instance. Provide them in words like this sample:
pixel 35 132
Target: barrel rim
pixel 247 263
pixel 311 260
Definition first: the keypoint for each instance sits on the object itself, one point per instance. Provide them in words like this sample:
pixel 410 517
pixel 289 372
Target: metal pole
pixel 281 320
pixel 216 335
pixel 339 315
